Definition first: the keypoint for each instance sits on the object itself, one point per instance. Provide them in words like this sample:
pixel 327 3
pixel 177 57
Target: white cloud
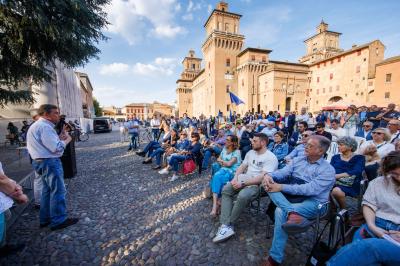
pixel 168 31
pixel 187 17
pixel 132 18
pixel 114 69
pixel 161 66
pixel 193 7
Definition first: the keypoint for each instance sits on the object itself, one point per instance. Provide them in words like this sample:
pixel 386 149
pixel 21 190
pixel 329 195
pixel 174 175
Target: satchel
pixel 188 166
pixel 322 251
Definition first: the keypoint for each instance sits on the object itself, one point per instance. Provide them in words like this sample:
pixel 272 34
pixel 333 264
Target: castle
pixel 326 74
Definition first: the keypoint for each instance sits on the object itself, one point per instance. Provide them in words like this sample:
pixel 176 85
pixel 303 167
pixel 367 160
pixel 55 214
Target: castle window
pixel 227 88
pixel 228 62
pixel 264 59
pixel 358 69
pixel 242 82
pixel 331 76
pixel 365 59
pixel 389 77
pixel 253 58
pixel 387 95
pixel 317 79
pixel 226 26
pixel 193 66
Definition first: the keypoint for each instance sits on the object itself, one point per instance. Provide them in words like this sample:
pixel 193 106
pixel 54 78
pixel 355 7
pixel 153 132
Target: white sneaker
pixel 164 171
pixel 224 232
pixel 173 178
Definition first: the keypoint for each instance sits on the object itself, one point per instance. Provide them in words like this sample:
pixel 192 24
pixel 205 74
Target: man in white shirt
pixel 394 126
pixel 336 130
pixel 245 185
pixel 303 116
pixel 46 147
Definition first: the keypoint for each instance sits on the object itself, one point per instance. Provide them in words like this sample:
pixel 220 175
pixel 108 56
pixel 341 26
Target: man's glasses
pixel 366 126
pixel 379 133
pixel 305 135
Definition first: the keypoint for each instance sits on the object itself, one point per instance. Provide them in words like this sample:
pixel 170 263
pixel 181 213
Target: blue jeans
pixel 372 252
pixel 151 146
pixel 308 209
pixel 134 140
pixel 364 232
pixel 2 229
pixel 157 153
pixel 52 204
pixel 175 159
pixel 155 132
pixel 208 153
pixel 220 176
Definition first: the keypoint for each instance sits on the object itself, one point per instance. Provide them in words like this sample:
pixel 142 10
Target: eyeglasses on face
pixel 379 133
pixel 366 126
pixel 305 135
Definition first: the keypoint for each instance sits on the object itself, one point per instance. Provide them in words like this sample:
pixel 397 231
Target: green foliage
pixel 34 33
pixel 98 111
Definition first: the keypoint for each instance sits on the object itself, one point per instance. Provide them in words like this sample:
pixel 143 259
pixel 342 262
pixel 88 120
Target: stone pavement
pixel 130 215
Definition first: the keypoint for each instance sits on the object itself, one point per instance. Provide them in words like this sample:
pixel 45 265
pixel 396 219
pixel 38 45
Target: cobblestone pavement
pixel 130 215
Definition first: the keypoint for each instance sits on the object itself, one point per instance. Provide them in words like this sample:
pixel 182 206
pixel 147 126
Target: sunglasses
pixel 366 126
pixel 379 133
pixel 305 135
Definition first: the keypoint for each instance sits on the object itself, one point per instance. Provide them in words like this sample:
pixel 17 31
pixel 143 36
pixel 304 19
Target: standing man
pixel 290 121
pixel 372 116
pixel 390 114
pixel 46 148
pixel 133 131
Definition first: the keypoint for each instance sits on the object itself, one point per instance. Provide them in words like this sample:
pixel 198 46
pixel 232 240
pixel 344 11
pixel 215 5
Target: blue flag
pixel 235 99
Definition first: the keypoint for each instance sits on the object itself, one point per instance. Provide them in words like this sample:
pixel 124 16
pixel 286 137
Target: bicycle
pixel 145 135
pixel 81 136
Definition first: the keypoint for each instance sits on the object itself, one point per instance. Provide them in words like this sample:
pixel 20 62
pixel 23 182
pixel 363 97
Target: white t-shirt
pixel 5 201
pixel 383 149
pixel 336 133
pixel 258 163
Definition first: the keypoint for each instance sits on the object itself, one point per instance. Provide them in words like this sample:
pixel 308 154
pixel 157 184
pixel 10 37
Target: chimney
pixel 354 46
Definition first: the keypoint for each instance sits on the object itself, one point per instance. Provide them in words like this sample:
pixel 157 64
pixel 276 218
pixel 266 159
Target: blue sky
pixel 149 38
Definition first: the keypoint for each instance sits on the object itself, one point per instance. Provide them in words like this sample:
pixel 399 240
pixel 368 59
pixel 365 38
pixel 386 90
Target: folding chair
pixel 315 222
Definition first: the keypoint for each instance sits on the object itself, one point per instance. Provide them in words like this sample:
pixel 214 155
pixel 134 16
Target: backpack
pixel 322 251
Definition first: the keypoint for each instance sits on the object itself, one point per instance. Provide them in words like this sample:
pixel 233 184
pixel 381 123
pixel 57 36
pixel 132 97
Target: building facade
pixel 86 95
pixel 324 75
pixel 387 82
pixel 146 111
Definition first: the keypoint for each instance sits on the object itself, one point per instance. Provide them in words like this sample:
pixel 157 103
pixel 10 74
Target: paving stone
pixel 130 215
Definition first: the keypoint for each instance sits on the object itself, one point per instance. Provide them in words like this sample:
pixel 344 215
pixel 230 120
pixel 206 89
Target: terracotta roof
pixel 257 50
pixel 389 60
pixel 353 49
pixel 220 11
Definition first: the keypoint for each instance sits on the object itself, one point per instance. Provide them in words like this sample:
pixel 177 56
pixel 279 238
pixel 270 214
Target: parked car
pixel 102 124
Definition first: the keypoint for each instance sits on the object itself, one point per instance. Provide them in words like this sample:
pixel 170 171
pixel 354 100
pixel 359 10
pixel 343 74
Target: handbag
pixel 322 251
pixel 346 181
pixel 188 166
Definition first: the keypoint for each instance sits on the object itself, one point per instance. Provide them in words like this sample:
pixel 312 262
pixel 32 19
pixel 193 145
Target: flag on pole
pixel 235 99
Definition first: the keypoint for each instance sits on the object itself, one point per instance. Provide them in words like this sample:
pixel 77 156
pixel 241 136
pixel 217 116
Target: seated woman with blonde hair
pixel 224 169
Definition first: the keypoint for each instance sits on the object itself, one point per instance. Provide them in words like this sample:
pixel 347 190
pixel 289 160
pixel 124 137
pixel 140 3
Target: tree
pixel 98 111
pixel 35 33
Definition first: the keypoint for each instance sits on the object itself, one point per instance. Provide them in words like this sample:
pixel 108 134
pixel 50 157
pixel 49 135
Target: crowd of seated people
pixel 291 164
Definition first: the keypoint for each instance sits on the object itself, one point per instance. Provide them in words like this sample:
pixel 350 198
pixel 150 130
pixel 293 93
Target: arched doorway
pixel 335 99
pixel 288 103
